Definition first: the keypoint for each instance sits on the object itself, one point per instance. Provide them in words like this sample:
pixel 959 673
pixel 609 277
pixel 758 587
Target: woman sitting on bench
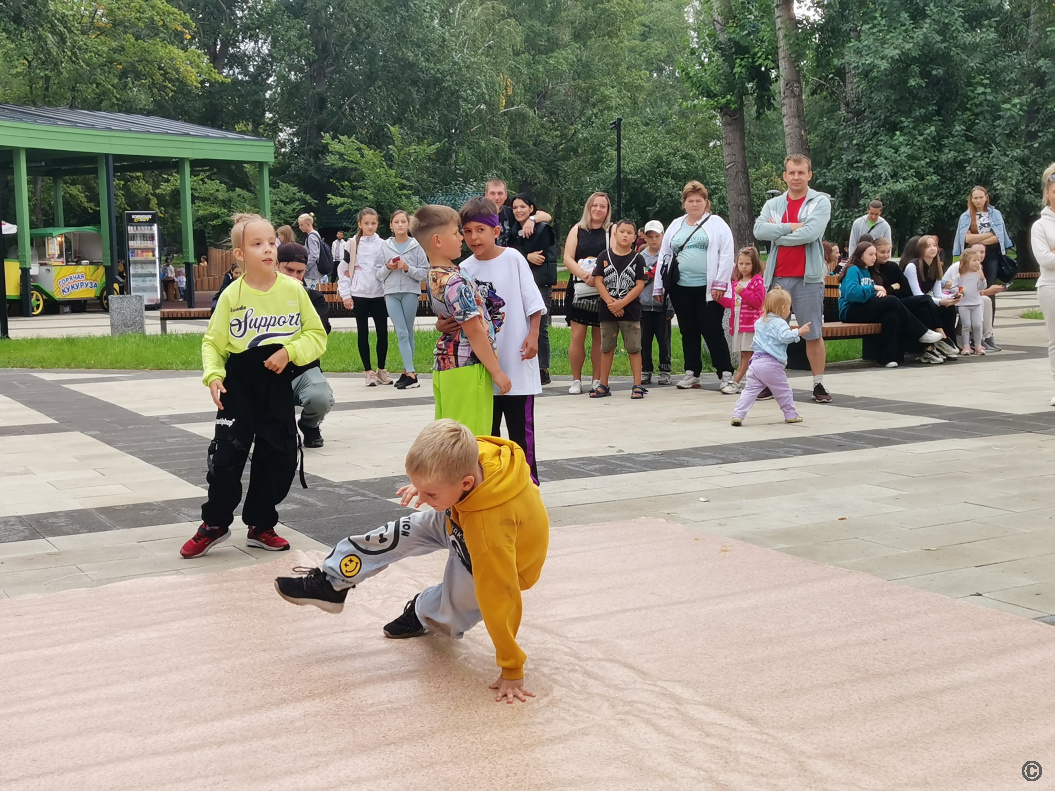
pixel 863 299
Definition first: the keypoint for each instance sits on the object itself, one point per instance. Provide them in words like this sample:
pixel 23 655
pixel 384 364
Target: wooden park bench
pixel 182 314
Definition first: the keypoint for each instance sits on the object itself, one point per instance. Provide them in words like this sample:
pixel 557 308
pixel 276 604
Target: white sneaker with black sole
pixel 931 358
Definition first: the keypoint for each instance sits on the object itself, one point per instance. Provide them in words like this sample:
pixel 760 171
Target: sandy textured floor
pixel 662 658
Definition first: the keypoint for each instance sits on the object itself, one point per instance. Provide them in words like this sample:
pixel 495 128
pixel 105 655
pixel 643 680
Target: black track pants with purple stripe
pixel 519 412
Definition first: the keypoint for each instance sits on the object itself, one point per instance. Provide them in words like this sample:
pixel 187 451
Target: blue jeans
pixel 402 308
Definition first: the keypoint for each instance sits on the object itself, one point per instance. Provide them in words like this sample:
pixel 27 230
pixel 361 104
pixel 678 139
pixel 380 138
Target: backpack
pixel 325 262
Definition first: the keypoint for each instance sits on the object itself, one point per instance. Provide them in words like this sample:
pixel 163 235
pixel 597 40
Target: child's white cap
pixel 654 225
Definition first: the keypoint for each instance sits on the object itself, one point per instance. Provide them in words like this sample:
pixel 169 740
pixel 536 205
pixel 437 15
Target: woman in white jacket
pixel 703 244
pixel 402 267
pixel 363 293
pixel 1042 238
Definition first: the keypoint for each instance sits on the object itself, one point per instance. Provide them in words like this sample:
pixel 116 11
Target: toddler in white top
pixel 970 282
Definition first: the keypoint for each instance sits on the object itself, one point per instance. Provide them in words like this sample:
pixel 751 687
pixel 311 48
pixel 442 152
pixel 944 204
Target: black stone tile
pixel 14 528
pixel 67 523
pixel 1048 619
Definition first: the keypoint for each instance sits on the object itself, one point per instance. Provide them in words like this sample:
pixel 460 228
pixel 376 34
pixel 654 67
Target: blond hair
pixel 240 221
pixel 694 188
pixel 432 218
pixel 1045 182
pixel 444 452
pixel 970 259
pixel 285 234
pixel 309 217
pixel 776 299
pixel 587 220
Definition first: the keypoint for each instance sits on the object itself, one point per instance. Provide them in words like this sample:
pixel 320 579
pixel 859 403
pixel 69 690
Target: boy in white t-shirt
pixel 510 276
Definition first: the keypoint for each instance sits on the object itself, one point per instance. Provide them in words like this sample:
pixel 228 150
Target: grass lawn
pixel 183 352
pixel 1033 313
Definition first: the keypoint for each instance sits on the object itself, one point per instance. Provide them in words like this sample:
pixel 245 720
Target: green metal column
pixel 56 200
pixel 265 190
pixel 104 226
pixel 22 220
pixel 187 221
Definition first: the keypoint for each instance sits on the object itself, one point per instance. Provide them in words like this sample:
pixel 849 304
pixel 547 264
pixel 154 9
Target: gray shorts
pixel 807 303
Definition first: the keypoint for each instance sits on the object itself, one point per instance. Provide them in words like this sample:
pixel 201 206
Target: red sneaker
pixel 266 539
pixel 204 540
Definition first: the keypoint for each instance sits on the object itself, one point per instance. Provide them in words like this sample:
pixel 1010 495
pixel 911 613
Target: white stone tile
pixel 152 397
pixel 14 413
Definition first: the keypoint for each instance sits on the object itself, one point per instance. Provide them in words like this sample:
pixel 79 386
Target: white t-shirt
pixel 510 276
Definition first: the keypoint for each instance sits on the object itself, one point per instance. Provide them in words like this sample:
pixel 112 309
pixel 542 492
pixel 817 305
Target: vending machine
pixel 143 267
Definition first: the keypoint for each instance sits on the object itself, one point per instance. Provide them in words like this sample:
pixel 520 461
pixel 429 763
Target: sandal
pixel 601 391
pixel 638 392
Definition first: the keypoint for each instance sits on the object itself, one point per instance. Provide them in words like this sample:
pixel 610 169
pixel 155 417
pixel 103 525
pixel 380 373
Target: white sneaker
pixel 947 348
pixel 596 384
pixel 728 386
pixel 371 379
pixel 931 358
pixel 929 337
pixel 890 365
pixel 576 387
pixel 1053 402
pixel 689 381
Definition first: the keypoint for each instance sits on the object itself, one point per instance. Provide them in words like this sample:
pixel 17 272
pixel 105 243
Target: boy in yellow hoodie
pixel 489 516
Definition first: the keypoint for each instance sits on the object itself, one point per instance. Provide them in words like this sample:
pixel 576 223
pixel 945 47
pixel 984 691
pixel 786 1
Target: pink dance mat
pixel 662 658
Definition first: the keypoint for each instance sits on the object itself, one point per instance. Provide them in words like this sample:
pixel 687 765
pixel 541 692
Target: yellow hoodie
pixel 506 530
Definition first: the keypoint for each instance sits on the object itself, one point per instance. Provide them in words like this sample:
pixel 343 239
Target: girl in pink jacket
pixel 744 297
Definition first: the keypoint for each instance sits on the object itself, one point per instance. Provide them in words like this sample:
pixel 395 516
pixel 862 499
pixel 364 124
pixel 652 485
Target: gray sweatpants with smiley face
pixel 449 607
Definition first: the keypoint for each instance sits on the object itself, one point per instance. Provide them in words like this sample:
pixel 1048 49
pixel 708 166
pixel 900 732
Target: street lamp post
pixel 617 125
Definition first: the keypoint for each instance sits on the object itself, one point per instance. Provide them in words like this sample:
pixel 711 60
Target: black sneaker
pixel 313 588
pixel 820 395
pixel 406 625
pixel 765 394
pixel 312 436
pixel 405 381
pixel 543 376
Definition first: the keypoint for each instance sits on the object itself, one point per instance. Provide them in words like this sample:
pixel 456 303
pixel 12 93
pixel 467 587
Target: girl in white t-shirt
pixel 361 291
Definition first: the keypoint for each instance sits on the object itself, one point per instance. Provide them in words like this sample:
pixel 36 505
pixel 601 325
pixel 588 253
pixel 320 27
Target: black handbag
pixel 671 272
pixel 1006 268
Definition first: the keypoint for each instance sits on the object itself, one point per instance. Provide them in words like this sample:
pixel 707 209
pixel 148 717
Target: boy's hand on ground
pixel 408 493
pixel 215 388
pixel 805 328
pixel 446 326
pixel 510 690
pixel 529 349
pixel 504 385
pixel 278 361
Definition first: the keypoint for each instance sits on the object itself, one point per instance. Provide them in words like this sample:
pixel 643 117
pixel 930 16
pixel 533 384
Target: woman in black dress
pixel 540 250
pixel 585 242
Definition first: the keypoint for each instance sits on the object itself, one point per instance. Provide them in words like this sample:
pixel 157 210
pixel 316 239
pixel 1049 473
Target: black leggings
pixel 898 324
pixel 699 319
pixel 367 308
pixel 655 325
pixel 925 309
pixel 519 412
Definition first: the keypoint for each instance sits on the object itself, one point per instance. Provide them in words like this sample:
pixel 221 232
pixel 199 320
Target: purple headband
pixel 485 219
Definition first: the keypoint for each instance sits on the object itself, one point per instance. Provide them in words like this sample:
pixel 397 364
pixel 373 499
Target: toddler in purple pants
pixel 770 347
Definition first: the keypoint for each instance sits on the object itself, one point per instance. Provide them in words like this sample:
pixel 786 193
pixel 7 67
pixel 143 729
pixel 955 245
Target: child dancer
pixel 619 276
pixel 489 518
pixel 404 266
pixel 745 298
pixel 770 346
pixel 507 272
pixel 465 363
pixel 262 323
pixel 970 282
pixel 360 289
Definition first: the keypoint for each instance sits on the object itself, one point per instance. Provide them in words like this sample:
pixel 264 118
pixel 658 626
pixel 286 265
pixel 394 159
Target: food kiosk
pixel 65 268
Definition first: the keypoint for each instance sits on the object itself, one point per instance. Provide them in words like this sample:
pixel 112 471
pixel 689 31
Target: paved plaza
pixel 932 477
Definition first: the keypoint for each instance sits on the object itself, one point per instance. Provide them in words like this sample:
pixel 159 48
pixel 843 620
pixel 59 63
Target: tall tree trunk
pixel 792 108
pixel 737 177
pixel 734 151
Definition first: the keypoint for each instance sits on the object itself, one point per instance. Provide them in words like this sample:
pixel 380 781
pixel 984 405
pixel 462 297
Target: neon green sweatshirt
pixel 245 318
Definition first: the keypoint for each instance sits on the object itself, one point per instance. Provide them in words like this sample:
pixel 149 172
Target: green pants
pixel 466 395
